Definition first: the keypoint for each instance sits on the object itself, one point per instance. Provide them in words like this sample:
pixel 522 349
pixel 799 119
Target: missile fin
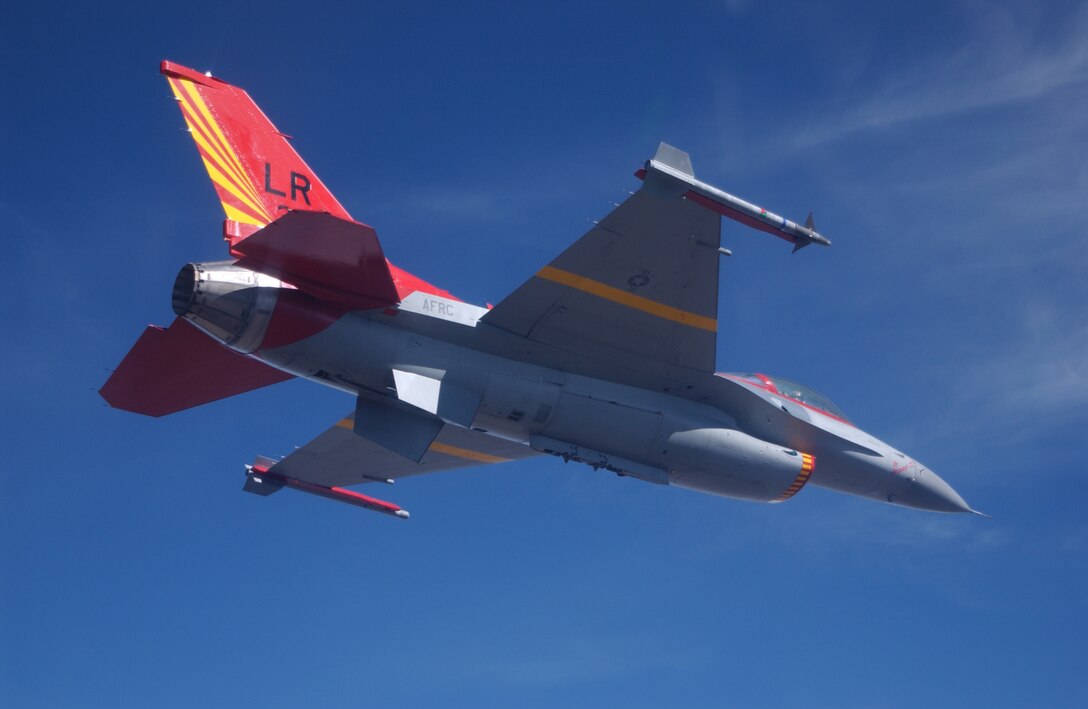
pixel 675 158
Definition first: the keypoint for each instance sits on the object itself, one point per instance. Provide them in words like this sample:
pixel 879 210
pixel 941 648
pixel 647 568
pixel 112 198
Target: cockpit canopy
pixel 793 390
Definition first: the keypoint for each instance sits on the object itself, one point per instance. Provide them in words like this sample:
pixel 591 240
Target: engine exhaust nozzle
pixel 228 302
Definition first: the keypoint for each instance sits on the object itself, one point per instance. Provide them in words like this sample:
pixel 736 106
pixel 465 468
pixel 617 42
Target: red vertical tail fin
pixel 256 172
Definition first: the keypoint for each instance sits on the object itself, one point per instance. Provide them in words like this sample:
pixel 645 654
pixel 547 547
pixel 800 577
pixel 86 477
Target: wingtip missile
pixel 676 165
pixel 262 481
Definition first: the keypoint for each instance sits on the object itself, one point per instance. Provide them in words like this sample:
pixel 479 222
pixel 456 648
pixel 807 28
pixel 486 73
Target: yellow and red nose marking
pixel 808 464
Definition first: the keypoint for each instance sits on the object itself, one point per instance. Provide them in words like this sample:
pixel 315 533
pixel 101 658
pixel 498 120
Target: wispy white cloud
pixel 1003 63
pixel 988 200
pixel 828 522
pixel 735 7
pixel 1040 375
pixel 907 529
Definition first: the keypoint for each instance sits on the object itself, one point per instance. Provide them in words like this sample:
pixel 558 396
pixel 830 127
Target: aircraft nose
pixel 928 491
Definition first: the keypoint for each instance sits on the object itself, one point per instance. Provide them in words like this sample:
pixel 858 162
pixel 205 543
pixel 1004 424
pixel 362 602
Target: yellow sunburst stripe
pixel 630 300
pixel 204 137
pixel 219 179
pixel 230 184
pixel 808 464
pixel 218 153
pixel 238 215
pixel 229 155
pixel 202 108
pixel 466 453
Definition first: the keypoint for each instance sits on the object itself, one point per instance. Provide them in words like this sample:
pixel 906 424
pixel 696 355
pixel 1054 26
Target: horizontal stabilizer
pixel 329 258
pixel 179 367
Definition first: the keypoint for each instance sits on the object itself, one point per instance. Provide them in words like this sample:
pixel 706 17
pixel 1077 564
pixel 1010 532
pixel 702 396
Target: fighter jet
pixel 605 356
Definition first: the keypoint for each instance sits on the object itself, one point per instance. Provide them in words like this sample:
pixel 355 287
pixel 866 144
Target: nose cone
pixel 928 492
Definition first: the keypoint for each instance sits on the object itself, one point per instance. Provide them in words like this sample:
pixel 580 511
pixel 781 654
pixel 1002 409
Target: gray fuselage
pixel 706 432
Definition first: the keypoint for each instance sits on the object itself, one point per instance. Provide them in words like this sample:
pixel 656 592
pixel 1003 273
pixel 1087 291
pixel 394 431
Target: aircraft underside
pixel 604 357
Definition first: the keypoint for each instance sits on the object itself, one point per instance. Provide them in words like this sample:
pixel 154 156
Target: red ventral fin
pixel 179 367
pixel 329 258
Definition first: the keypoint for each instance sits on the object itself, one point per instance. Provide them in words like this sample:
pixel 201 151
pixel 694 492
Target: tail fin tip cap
pixel 169 68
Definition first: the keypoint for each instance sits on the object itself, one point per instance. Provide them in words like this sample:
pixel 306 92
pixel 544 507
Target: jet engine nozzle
pixel 230 303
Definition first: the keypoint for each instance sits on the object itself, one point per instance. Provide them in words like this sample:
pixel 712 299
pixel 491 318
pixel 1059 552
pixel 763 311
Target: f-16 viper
pixel 605 356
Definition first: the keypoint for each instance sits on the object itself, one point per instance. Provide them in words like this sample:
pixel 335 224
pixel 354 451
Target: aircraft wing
pixel 340 457
pixel 643 281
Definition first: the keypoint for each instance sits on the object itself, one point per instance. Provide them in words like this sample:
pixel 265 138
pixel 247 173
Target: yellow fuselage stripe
pixel 445 448
pixel 466 454
pixel 630 300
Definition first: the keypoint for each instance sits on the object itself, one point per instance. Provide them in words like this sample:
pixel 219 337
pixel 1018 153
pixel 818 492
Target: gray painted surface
pixel 605 357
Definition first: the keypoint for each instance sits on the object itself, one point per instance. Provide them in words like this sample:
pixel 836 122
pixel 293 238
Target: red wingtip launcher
pixel 262 482
pixel 677 166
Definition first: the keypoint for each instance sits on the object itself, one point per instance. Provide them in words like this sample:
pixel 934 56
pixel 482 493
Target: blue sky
pixel 942 147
